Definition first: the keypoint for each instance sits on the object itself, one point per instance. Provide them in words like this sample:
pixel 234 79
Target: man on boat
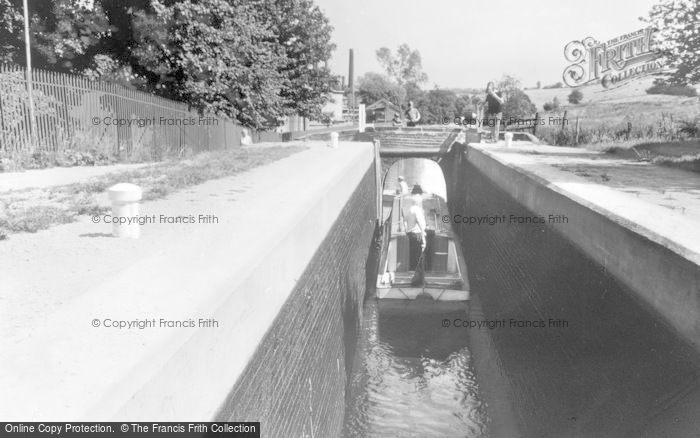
pixel 415 228
pixel 403 185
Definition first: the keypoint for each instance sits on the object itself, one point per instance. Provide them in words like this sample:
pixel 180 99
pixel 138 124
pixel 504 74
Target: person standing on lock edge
pixel 412 115
pixel 494 110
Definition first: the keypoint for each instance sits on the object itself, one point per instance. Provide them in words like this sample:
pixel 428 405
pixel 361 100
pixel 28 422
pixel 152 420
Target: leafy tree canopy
pixel 374 86
pixel 61 31
pixel 404 66
pixel 463 106
pixel 508 84
pixel 440 104
pixel 678 37
pixel 254 61
pixel 518 105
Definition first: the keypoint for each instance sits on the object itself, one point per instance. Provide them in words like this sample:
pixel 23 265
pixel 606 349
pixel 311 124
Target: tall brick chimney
pixel 351 78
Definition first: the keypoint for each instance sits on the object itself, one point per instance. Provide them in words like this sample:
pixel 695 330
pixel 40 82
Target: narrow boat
pixel 440 271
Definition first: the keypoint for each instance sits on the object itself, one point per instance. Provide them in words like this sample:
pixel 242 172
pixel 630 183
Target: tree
pixel 660 86
pixel 254 61
pixel 10 30
pixel 214 56
pixel 463 106
pixel 518 105
pixel 508 84
pixel 552 106
pixel 415 94
pixel 61 32
pixel 439 104
pixel 476 101
pixel 374 86
pixel 677 38
pixel 303 32
pixel 555 85
pixel 404 67
pixel 575 97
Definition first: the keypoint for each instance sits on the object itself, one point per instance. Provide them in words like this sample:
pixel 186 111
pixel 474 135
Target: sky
pixel 466 43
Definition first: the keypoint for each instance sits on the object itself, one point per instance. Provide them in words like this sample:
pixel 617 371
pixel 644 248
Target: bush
pixel 557 85
pixel 664 130
pixel 686 162
pixel 39 160
pixel 42 159
pixel 327 118
pixel 69 158
pixel 575 97
pixel 552 106
pixel 8 165
pixel 662 87
pixel 518 105
pixel 690 128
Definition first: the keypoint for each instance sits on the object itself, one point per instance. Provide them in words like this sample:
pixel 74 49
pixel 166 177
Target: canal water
pixel 606 367
pixel 412 377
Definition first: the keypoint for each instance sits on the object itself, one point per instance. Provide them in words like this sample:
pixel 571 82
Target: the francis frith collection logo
pixel 627 56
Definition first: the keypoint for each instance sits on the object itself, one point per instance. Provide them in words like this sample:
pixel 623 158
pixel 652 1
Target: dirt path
pixel 59 176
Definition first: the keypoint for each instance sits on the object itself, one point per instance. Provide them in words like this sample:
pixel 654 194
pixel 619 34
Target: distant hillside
pixel 627 102
pixel 592 93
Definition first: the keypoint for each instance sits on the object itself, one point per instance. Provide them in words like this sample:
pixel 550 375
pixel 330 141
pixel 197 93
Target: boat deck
pixel 444 273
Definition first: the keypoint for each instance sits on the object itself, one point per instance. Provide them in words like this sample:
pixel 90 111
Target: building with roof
pixel 382 111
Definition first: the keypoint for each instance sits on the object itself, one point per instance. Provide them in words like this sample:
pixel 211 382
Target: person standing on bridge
pixel 396 121
pixel 494 112
pixel 412 114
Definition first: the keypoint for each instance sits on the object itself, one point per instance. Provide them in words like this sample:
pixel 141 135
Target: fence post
pixel 576 137
pixel 81 107
pixel 537 122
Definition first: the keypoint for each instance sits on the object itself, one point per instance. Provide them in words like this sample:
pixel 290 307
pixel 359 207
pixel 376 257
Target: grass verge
pixel 685 162
pixel 37 209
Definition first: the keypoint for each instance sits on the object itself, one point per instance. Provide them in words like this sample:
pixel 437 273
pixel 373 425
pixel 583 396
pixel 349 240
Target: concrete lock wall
pixel 295 382
pixel 662 279
pixel 283 276
pixel 608 372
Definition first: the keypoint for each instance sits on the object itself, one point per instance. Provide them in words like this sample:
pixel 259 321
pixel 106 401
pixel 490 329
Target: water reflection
pixel 412 378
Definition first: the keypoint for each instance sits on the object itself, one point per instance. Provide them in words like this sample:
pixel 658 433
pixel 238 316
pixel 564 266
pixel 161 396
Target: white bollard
pixel 125 199
pixel 334 140
pixel 246 139
pixel 509 139
pixel 361 118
